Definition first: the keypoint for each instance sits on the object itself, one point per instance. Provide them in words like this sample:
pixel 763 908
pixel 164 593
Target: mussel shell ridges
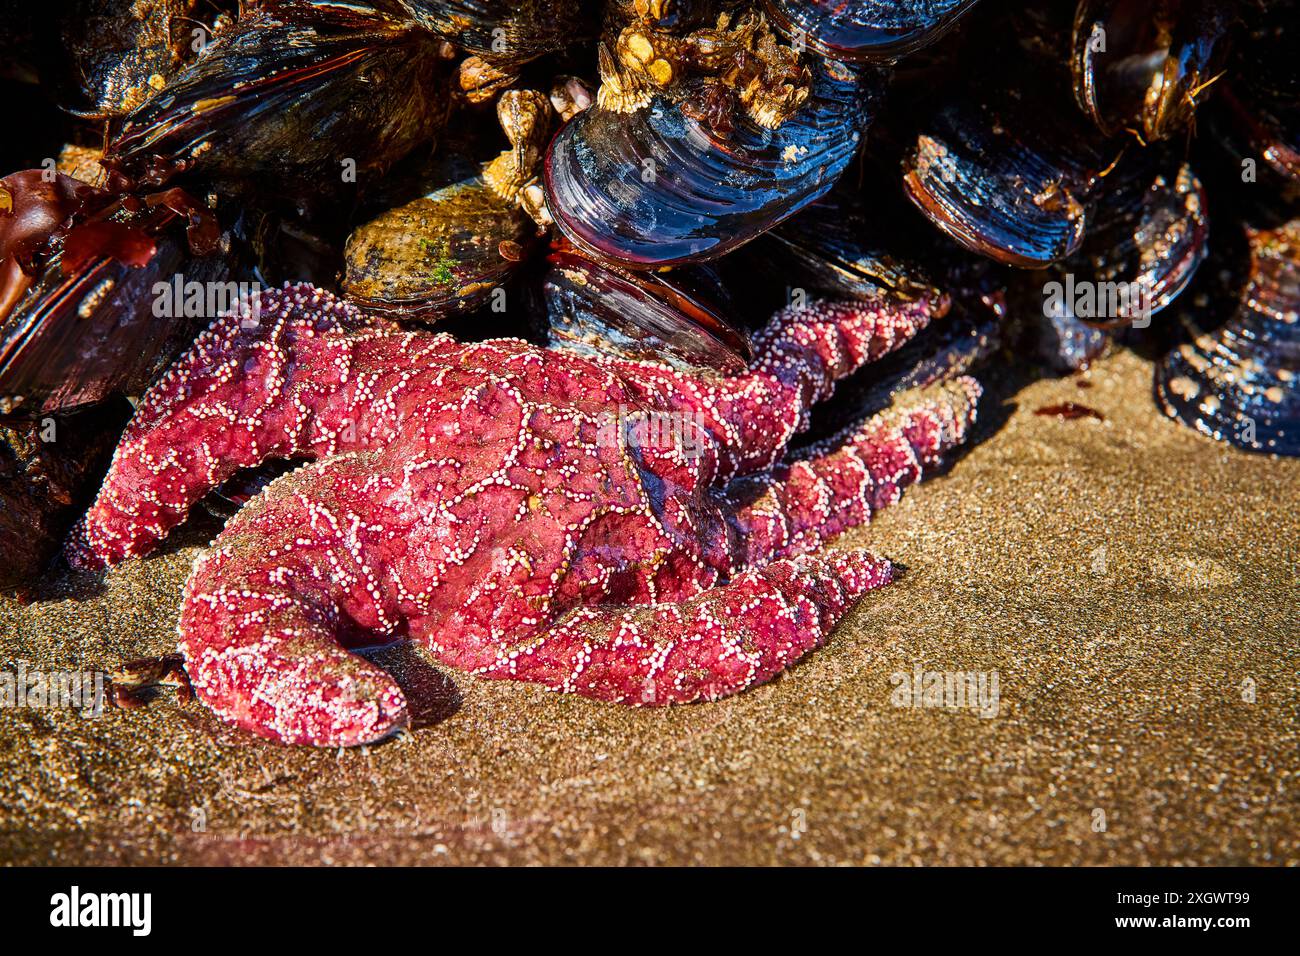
pixel 958 344
pixel 1240 382
pixel 504 31
pixel 118 48
pixel 656 188
pixel 288 97
pixel 437 254
pixel 1001 184
pixel 675 318
pixel 1150 230
pixel 862 30
pixel 838 248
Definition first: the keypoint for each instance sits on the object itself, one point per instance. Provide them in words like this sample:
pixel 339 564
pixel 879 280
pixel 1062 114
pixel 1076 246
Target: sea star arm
pixel 267 610
pixel 799 357
pixel 268 381
pixel 728 638
pixel 838 484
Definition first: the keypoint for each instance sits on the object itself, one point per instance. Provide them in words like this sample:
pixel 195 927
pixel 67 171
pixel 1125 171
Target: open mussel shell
pixel 1145 67
pixel 438 254
pixel 110 322
pixel 675 317
pixel 1239 381
pixel 293 99
pixel 859 30
pixel 656 188
pixel 504 31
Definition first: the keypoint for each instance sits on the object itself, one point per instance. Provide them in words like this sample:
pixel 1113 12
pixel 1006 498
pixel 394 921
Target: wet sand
pixel 1130 583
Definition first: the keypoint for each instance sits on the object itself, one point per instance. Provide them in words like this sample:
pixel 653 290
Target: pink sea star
pixel 522 512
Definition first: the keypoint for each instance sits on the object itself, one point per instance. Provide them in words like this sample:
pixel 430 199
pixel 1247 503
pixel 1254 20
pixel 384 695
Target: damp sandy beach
pixel 1130 587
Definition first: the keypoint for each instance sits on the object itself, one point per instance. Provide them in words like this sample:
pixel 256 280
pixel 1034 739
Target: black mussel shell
pixel 1260 100
pixel 438 254
pixel 1004 181
pixel 49 469
pixel 80 331
pixel 960 344
pixel 1066 343
pixel 1261 129
pixel 121 52
pixel 1145 67
pixel 656 188
pixel 285 246
pixel 505 31
pixel 1151 234
pixel 1167 242
pixel 860 30
pixel 835 248
pixel 1239 381
pixel 293 99
pixel 674 317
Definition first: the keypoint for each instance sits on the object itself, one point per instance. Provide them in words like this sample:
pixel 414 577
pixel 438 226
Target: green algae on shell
pixel 438 254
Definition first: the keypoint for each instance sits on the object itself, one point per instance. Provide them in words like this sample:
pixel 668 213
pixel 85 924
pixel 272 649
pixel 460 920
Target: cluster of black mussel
pixel 648 178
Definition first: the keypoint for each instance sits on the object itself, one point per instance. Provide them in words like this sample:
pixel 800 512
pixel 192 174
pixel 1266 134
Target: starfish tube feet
pixel 718 643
